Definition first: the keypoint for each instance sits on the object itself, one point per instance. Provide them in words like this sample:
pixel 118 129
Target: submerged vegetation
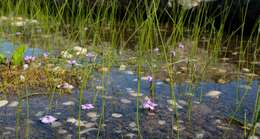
pixel 63 47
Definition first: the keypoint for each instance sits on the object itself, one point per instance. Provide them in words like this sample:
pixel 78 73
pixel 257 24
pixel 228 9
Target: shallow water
pixel 7 48
pixel 208 118
pixel 199 115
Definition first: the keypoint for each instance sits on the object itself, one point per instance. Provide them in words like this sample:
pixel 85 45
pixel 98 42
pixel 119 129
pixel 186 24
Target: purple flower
pixel 29 59
pixel 148 104
pixel 48 119
pixel 87 106
pixel 18 33
pixel 72 62
pixel 149 78
pixel 181 45
pixel 90 56
pixel 45 54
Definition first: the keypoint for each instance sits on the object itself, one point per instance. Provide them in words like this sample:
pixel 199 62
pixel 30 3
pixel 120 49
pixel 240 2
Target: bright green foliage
pixel 2 58
pixel 17 58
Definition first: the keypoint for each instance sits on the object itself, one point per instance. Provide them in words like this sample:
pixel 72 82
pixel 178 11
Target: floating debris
pixel 62 131
pixel 161 122
pixel 129 72
pixel 68 103
pixel 245 70
pixel 117 115
pixel 178 128
pixel 213 94
pixel 65 86
pixel 103 69
pixel 13 104
pixel 99 87
pixel 253 137
pixel 135 94
pixel 122 67
pixel 92 114
pixel 125 101
pixel 25 66
pixel 174 103
pixel 56 124
pixel 246 87
pixel 87 130
pixel 39 113
pixel 3 103
pixel 132 124
pixel 130 135
pixel 72 120
pixel 159 83
pixel 200 135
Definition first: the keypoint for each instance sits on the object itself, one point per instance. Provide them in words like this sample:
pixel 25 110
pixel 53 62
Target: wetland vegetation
pixel 107 69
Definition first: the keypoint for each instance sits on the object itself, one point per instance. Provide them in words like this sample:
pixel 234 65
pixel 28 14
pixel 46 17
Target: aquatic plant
pixel 72 62
pixel 149 78
pixel 87 106
pixel 18 54
pixel 2 58
pixel 45 54
pixel 90 56
pixel 48 119
pixel 149 104
pixel 29 59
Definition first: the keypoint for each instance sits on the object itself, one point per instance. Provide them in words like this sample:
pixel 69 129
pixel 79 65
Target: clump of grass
pixel 18 55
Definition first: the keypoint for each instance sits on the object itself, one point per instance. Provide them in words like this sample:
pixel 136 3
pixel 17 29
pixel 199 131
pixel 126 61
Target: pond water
pixel 7 48
pixel 201 112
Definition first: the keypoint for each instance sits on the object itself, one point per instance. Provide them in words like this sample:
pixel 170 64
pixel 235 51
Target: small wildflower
pixel 181 45
pixel 90 56
pixel 149 78
pixel 87 106
pixel 48 119
pixel 29 59
pixel 148 104
pixel 72 62
pixel 18 33
pixel 45 54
